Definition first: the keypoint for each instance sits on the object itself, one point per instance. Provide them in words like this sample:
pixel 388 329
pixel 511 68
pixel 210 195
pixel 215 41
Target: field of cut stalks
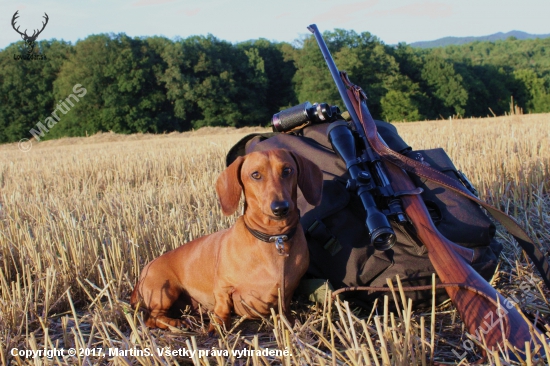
pixel 80 217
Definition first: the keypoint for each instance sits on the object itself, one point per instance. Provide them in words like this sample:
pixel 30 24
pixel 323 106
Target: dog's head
pixel 269 180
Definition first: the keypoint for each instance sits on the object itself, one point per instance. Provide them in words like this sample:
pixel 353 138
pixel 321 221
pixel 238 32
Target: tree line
pixel 154 84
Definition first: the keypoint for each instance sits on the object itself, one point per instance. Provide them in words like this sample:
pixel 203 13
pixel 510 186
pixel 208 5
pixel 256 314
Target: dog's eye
pixel 287 172
pixel 256 175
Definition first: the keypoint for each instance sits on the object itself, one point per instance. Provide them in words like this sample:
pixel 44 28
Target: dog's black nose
pixel 280 208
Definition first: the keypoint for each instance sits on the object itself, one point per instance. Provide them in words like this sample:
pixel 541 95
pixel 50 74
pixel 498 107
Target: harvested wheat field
pixel 80 217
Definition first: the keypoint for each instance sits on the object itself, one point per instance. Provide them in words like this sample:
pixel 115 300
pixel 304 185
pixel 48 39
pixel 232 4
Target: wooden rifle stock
pixel 480 315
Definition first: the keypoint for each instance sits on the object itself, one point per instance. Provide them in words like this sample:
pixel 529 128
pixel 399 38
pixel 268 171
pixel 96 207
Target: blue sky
pixel 279 20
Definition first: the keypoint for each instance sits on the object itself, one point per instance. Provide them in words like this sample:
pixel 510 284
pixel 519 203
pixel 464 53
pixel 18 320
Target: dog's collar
pixel 277 239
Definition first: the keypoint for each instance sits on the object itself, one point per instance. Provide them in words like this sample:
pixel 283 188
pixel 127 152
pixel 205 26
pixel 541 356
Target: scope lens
pixel 383 239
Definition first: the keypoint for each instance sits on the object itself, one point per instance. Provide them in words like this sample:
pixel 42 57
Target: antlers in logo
pixel 29 40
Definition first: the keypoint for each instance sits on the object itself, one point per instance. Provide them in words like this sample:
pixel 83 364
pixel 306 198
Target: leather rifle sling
pixel 416 167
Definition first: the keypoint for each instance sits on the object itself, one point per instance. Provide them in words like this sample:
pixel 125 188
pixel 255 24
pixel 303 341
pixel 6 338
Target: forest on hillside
pixel 500 36
pixel 154 84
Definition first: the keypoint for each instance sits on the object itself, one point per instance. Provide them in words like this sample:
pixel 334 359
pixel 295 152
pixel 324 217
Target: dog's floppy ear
pixel 229 188
pixel 310 179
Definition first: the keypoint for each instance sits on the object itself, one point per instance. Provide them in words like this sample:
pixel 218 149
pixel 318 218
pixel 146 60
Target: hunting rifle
pixel 480 306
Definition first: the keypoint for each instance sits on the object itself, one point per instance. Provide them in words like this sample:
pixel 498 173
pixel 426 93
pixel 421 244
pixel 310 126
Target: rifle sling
pixel 539 259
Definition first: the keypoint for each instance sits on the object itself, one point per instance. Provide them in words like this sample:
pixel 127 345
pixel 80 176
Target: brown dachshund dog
pixel 243 267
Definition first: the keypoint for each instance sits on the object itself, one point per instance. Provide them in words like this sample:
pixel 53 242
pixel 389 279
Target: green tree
pixel 279 93
pixel 214 83
pixel 444 87
pixel 488 71
pixel 123 93
pixel 370 66
pixel 403 101
pixel 539 101
pixel 26 87
pixel 363 56
pixel 312 80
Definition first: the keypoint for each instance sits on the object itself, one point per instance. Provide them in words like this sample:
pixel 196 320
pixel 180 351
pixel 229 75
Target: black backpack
pixel 338 240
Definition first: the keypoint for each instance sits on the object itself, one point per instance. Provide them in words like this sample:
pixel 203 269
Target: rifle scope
pixel 382 236
pixel 302 115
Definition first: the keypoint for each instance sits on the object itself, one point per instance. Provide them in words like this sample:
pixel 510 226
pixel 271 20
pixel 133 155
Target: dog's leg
pixel 222 311
pixel 157 299
pixel 157 319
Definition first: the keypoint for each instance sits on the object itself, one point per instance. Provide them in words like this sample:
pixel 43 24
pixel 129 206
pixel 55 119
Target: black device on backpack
pixel 303 115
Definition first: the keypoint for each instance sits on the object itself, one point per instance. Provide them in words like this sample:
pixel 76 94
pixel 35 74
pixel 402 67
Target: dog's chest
pixel 259 298
pixel 261 291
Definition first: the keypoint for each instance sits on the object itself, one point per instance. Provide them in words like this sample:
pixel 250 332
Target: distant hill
pixel 447 41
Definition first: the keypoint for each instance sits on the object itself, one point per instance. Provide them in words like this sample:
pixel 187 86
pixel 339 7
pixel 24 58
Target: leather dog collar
pixel 277 239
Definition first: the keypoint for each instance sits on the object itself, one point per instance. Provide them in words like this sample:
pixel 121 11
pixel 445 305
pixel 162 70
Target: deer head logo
pixel 29 40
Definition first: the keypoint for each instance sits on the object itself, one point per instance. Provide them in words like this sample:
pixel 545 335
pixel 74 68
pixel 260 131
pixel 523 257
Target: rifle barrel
pixel 335 74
